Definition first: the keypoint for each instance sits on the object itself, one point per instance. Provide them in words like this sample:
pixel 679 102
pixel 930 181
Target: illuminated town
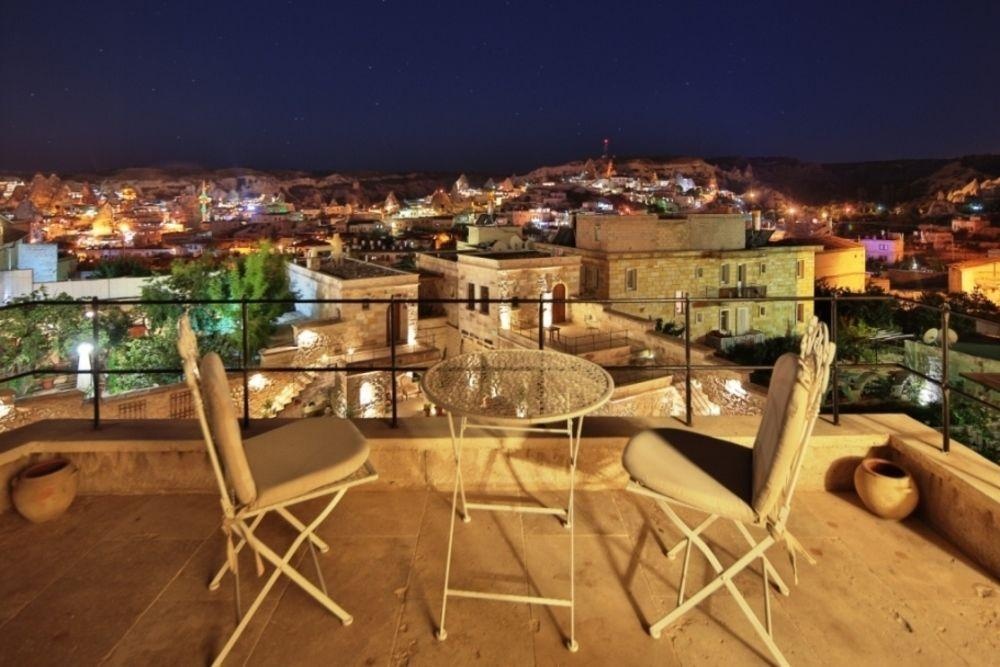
pixel 357 275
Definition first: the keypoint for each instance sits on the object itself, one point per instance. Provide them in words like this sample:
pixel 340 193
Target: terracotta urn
pixel 45 490
pixel 886 488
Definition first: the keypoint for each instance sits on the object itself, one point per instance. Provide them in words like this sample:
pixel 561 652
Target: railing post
pixel 945 385
pixel 392 358
pixel 541 322
pixel 689 415
pixel 95 362
pixel 834 371
pixel 244 362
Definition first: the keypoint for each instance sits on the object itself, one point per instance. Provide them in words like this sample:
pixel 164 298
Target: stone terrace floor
pixel 122 580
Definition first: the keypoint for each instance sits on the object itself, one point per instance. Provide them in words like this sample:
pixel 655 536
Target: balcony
pixel 725 341
pixel 743 292
pixel 121 578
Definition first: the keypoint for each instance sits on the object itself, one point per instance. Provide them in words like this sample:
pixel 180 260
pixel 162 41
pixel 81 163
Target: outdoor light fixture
pixel 84 379
pixel 258 382
pixel 307 338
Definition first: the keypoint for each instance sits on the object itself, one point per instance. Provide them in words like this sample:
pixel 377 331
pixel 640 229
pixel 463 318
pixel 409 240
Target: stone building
pixel 702 256
pixel 982 275
pixel 888 248
pixel 522 275
pixel 840 263
pixel 345 278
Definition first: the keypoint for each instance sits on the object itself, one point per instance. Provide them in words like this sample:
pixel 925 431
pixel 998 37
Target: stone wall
pixel 509 278
pixel 630 233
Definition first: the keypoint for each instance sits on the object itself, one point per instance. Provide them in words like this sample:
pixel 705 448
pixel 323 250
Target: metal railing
pixel 94 307
pixel 589 342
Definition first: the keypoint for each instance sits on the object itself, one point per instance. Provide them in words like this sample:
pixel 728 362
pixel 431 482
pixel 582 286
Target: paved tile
pixel 81 616
pixel 489 555
pixel 124 580
pixel 44 552
pixel 365 575
pixel 613 607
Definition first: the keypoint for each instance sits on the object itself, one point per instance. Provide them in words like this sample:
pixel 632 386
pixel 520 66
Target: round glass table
pixel 516 390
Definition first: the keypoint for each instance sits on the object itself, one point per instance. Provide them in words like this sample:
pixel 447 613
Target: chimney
pixel 756 220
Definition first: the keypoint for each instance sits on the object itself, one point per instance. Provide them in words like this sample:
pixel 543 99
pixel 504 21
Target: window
pixel 631 280
pixel 724 320
pixel 724 274
pixel 484 304
pixel 366 305
pixel 697 318
pixel 882 246
pixel 679 305
pixel 762 311
pixel 741 273
pixel 800 268
pixel 762 268
pixel 590 276
pixel 800 312
pixel 470 296
pixel 698 272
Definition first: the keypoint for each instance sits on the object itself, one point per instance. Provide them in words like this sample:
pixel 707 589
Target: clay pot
pixel 886 488
pixel 44 491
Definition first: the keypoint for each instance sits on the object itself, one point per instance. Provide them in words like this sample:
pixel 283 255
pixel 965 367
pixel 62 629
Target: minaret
pixel 204 199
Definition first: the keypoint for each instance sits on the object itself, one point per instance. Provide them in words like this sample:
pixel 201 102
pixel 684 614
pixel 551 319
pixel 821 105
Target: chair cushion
pixel 224 426
pixel 702 472
pixel 303 456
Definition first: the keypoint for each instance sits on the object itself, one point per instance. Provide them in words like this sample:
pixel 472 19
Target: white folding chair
pixel 748 487
pixel 306 459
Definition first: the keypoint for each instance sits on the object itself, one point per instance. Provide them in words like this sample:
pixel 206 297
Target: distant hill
pixel 932 186
pixel 888 181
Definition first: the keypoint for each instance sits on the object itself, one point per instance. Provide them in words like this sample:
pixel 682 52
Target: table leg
pixel 456 444
pixel 574 450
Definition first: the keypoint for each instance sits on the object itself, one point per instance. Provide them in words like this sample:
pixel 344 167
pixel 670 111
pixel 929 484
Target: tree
pixel 121 266
pixel 858 321
pixel 36 335
pixel 259 275
pixel 917 319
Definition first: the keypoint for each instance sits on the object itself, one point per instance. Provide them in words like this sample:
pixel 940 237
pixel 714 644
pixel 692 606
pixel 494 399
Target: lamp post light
pixel 84 378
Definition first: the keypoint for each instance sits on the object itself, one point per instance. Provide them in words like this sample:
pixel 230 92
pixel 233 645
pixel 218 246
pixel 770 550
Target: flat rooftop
pixel 353 269
pixel 513 254
pixel 122 580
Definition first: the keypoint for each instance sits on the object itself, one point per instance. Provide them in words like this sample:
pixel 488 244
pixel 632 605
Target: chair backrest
pixel 217 417
pixel 225 427
pixel 798 384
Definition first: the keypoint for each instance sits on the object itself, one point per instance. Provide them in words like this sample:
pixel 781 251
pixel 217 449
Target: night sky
pixel 490 86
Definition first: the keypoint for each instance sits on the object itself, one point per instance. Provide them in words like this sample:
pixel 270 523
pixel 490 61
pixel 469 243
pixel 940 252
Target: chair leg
pixel 724 579
pixel 291 518
pixel 319 572
pixel 684 572
pixel 768 568
pixel 245 621
pixel 672 553
pixel 217 579
pixel 283 566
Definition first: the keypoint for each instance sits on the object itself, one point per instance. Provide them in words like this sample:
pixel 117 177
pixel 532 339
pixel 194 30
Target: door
pixel 399 337
pixel 742 320
pixel 558 304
